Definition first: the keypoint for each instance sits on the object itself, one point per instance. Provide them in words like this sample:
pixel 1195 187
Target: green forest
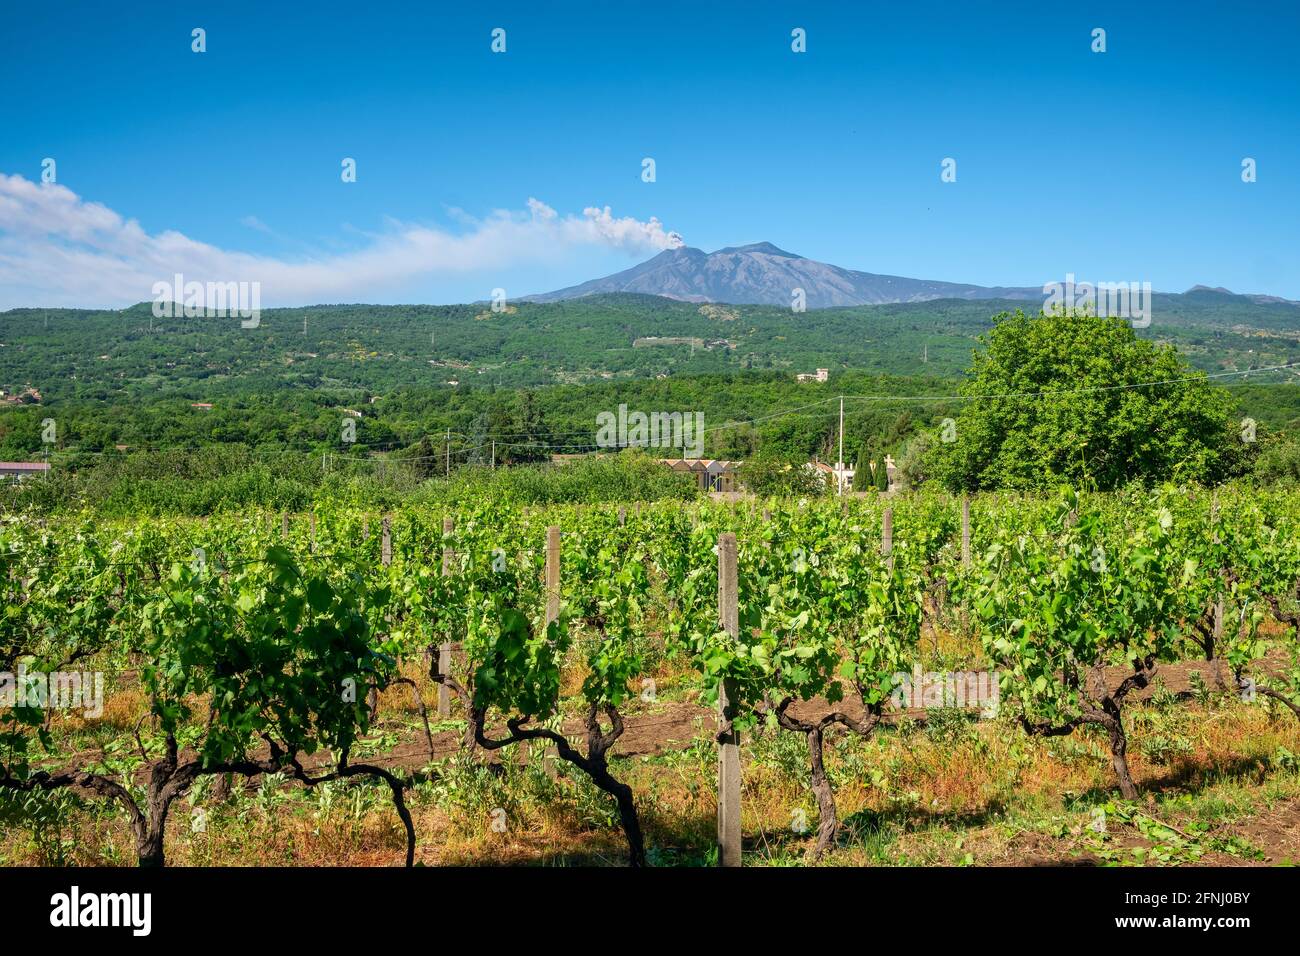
pixel 122 403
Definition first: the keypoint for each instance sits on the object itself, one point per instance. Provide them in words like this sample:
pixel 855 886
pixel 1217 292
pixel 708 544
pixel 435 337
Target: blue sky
pixel 1124 165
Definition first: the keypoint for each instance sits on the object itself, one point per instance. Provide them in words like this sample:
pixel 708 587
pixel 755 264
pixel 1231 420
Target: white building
pixel 839 476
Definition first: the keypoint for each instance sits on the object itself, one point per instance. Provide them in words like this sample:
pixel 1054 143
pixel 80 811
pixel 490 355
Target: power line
pixel 1072 391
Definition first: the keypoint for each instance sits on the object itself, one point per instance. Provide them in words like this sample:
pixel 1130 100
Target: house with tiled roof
pixel 711 474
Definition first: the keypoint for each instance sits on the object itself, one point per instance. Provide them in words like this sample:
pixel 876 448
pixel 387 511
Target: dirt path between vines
pixel 674 725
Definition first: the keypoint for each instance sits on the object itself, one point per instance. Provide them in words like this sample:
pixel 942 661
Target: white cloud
pixel 57 249
pixel 630 234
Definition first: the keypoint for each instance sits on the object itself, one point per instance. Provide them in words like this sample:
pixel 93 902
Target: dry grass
pixel 950 792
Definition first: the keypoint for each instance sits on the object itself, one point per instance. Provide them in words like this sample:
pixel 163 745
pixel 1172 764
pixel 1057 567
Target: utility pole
pixel 839 466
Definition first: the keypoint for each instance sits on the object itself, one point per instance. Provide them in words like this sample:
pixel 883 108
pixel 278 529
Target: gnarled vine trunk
pixel 1106 713
pixel 595 763
pixel 170 779
pixel 828 818
pixel 815 734
pixel 1119 751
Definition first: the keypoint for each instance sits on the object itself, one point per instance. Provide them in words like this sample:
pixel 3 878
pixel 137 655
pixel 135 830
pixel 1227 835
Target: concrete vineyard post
pixel 386 545
pixel 284 526
pixel 313 532
pixel 728 737
pixel 444 650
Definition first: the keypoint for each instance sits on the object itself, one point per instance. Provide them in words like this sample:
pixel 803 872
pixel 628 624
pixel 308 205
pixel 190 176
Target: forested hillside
pixel 132 396
pixel 97 355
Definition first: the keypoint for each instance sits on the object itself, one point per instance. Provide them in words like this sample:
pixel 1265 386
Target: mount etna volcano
pixel 762 274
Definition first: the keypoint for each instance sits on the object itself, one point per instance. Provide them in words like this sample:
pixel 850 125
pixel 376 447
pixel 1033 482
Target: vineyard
pixel 683 680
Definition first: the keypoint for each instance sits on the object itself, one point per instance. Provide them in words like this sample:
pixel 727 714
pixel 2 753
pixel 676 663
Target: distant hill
pixel 762 274
pixel 109 355
pixel 111 378
pixel 1205 293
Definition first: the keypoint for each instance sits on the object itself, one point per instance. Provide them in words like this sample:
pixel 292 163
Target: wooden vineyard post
pixel 386 558
pixel 386 544
pixel 551 755
pixel 887 537
pixel 313 532
pixel 965 531
pixel 622 516
pixel 365 529
pixel 284 526
pixel 444 650
pixel 728 737
pixel 552 574
pixel 1218 598
pixel 965 553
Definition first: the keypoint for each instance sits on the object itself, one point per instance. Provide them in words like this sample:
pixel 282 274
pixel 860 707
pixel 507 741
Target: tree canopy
pixel 1070 397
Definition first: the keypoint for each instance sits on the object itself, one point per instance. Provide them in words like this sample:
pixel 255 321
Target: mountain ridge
pixel 762 273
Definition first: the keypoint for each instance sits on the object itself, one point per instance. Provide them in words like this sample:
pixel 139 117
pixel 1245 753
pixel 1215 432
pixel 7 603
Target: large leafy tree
pixel 520 431
pixel 770 476
pixel 1066 398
